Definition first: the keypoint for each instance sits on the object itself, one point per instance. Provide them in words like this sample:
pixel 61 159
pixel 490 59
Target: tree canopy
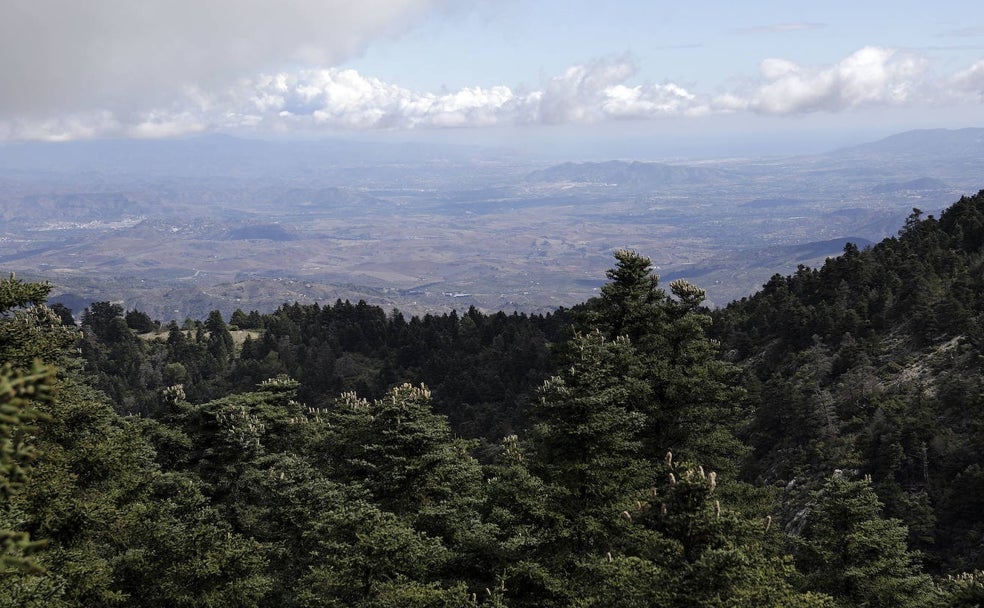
pixel 817 444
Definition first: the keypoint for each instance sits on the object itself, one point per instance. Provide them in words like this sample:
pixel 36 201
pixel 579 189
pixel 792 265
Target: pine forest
pixel 817 444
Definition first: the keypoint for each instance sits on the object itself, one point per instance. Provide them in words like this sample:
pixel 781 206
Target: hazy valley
pixel 178 228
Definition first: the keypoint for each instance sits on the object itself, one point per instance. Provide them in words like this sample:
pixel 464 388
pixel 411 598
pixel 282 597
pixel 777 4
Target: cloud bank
pixel 872 76
pixel 970 81
pixel 329 100
pixel 95 55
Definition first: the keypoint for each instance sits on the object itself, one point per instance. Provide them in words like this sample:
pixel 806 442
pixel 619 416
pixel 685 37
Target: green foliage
pixel 19 393
pixel 482 368
pixel 694 405
pixel 246 480
pixel 219 345
pixel 965 590
pixel 631 304
pixel 29 330
pixel 587 437
pixel 15 294
pixel 104 318
pixel 113 527
pixel 178 551
pixel 678 546
pixel 518 508
pixel 849 551
pixel 139 322
pixel 872 363
pixel 370 557
pixel 119 530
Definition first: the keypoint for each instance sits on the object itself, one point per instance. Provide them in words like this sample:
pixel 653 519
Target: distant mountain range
pixel 407 224
pixel 222 156
pixel 949 160
pixel 922 142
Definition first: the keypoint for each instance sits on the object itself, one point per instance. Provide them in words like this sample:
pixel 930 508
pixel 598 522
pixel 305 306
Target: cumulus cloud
pixel 341 98
pixel 71 56
pixel 576 95
pixel 586 93
pixel 331 99
pixel 870 76
pixel 971 80
pixel 597 91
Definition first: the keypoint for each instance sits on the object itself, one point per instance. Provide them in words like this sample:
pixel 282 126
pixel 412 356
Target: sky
pixel 620 77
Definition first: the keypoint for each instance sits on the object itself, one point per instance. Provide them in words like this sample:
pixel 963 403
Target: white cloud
pixel 971 80
pixel 648 101
pixel 310 101
pixel 576 95
pixel 870 76
pixel 159 124
pixel 337 98
pixel 774 69
pixel 65 128
pixel 581 94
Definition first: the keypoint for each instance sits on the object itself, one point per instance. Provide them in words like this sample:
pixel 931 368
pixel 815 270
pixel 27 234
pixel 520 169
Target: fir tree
pixel 851 552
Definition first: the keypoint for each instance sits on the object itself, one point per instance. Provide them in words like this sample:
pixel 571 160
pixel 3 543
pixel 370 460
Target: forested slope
pixel 791 450
pixel 872 363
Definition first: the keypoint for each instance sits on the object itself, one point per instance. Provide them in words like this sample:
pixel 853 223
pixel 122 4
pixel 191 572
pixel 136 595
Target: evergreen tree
pixel 631 303
pixel 220 346
pixel 116 529
pixel 31 339
pixel 406 457
pixel 139 321
pixel 851 552
pixel 29 330
pixel 519 508
pixel 586 440
pixel 965 590
pixel 19 392
pixel 693 404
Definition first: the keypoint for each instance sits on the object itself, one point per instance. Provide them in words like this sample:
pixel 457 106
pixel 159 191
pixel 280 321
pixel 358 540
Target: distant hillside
pixel 828 248
pixel 57 208
pixel 954 157
pixel 790 255
pixel 627 174
pixel 946 142
pixel 871 362
pixel 734 274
